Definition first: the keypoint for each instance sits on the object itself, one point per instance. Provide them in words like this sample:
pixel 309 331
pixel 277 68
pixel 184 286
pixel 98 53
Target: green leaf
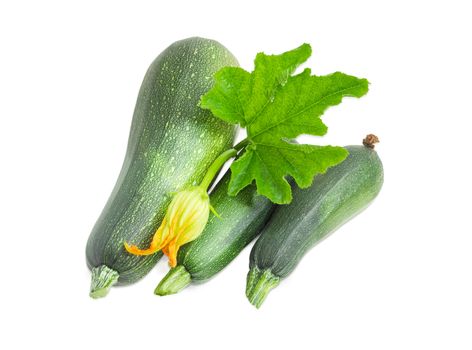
pixel 274 105
pixel 226 98
pixel 237 93
pixel 268 163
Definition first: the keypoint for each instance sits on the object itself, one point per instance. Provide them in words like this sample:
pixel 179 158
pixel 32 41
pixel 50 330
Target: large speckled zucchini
pixel 172 142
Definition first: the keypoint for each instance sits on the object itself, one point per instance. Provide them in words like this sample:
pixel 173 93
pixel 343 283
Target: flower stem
pixel 220 161
pixel 216 166
pixel 241 144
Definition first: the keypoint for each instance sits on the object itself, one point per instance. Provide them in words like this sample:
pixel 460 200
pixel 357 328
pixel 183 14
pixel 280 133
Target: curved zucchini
pixel 335 197
pixel 241 219
pixel 171 144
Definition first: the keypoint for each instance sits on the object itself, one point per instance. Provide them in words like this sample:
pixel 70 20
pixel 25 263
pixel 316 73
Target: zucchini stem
pixel 103 278
pixel 259 284
pixel 216 166
pixel 176 279
pixel 370 141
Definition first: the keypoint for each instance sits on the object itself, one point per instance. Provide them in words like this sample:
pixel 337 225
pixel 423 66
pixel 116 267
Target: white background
pixel 396 277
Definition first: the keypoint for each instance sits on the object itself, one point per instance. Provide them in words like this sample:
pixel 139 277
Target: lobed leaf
pixel 273 106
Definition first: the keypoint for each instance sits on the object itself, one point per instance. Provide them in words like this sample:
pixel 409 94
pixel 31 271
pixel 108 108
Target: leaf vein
pixel 304 110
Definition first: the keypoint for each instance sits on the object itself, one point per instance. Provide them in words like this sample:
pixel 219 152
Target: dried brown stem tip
pixel 370 141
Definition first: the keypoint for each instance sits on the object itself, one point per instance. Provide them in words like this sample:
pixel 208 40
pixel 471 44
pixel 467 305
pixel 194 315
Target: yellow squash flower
pixel 186 217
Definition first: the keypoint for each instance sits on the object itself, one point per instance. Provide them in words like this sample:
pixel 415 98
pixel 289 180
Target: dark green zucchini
pixel 241 219
pixel 171 144
pixel 334 198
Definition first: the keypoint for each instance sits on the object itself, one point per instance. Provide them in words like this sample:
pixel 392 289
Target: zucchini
pixel 334 198
pixel 241 219
pixel 171 144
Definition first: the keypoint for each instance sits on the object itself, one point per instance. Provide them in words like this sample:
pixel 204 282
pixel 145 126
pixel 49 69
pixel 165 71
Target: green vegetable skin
pixel 241 219
pixel 334 198
pixel 171 144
